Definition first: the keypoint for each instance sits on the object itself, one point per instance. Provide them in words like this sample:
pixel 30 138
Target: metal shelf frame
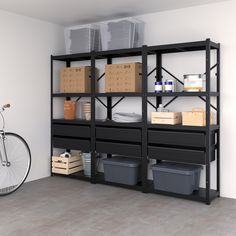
pixel 203 195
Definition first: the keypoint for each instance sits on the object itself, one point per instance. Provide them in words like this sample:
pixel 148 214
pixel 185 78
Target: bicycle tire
pixel 9 134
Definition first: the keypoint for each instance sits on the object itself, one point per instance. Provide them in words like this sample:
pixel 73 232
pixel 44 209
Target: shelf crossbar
pixel 117 102
pixel 101 102
pixel 100 77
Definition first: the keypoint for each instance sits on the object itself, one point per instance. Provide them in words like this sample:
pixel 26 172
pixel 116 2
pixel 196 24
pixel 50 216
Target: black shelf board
pixel 199 195
pixel 72 122
pixel 182 127
pixel 100 180
pixel 73 57
pixel 127 52
pixel 182 94
pixel 78 175
pixel 71 94
pixel 182 47
pixel 118 124
pixel 120 94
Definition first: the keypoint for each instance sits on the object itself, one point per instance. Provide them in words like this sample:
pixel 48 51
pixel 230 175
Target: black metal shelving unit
pixel 198 145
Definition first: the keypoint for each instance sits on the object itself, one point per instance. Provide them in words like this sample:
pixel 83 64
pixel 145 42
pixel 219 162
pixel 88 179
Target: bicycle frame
pixel 4 154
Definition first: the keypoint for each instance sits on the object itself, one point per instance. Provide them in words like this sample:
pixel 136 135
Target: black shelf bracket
pixel 101 102
pixel 117 102
pixel 100 77
pixel 151 104
pixel 168 103
pixel 151 71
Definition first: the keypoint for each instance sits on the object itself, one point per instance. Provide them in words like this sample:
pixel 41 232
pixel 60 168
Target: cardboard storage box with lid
pixel 168 118
pixel 123 77
pixel 196 117
pixel 76 79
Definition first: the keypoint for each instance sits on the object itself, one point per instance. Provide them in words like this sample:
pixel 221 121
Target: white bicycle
pixel 15 159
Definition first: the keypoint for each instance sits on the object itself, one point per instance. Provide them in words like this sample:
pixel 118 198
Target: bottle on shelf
pixel 161 108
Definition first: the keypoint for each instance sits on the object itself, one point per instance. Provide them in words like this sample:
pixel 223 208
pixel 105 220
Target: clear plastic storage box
pixel 82 39
pixel 122 33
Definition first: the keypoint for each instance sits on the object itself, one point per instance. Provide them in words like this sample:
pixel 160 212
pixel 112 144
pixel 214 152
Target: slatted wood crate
pixel 66 166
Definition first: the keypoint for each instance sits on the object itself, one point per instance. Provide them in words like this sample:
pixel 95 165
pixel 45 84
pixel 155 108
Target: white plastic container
pixel 122 33
pixel 82 39
pixel 86 157
pixel 193 83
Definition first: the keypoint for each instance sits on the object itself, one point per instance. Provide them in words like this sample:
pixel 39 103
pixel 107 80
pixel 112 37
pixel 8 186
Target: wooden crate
pixel 167 118
pixel 66 166
pixel 196 117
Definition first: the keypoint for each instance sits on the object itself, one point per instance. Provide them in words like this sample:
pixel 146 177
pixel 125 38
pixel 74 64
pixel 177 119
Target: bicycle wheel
pixel 12 176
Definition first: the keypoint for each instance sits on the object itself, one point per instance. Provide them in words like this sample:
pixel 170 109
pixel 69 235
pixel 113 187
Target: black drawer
pixel 71 131
pixel 71 143
pixel 178 138
pixel 178 155
pixel 120 134
pixel 118 148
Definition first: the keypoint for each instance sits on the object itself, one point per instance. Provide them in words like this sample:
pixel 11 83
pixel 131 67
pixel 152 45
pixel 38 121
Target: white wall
pixel 25 48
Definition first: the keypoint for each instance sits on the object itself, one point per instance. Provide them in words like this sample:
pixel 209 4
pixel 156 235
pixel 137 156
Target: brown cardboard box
pixel 76 79
pixel 168 118
pixel 123 77
pixel 196 117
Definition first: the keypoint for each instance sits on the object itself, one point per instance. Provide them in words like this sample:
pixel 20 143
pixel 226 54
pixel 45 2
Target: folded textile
pixel 127 117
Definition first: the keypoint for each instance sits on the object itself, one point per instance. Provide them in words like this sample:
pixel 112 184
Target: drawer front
pixel 71 131
pixel 178 155
pixel 130 135
pixel 177 138
pixel 118 148
pixel 68 143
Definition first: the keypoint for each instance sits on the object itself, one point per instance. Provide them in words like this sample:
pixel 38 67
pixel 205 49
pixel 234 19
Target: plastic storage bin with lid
pixel 122 33
pixel 123 170
pixel 82 39
pixel 176 177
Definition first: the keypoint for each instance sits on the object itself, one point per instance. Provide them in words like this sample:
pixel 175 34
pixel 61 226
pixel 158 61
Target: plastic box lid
pixel 176 168
pixel 122 161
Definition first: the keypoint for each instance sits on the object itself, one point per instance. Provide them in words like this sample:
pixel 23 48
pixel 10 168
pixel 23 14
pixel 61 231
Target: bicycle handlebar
pixel 6 106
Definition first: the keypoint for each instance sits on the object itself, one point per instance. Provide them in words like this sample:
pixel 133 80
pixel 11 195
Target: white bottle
pixel 160 108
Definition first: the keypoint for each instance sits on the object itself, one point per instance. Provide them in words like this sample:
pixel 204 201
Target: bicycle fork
pixel 3 156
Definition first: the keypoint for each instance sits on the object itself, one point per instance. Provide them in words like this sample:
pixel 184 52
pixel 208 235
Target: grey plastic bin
pixel 122 170
pixel 176 178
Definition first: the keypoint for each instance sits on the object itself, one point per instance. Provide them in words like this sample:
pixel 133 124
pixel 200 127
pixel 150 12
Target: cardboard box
pixel 76 79
pixel 168 118
pixel 196 117
pixel 123 77
pixel 66 166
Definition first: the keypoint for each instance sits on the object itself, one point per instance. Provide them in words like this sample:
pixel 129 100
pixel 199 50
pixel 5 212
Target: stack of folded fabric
pixel 127 117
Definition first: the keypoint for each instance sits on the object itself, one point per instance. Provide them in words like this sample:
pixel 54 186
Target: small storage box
pixel 170 118
pixel 75 80
pixel 123 77
pixel 196 117
pixel 122 170
pixel 66 166
pixel 176 178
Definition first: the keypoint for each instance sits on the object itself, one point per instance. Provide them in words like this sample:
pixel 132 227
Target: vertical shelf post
pixel 109 104
pixel 158 76
pixel 144 120
pixel 92 126
pixel 208 124
pixel 51 111
pixel 218 120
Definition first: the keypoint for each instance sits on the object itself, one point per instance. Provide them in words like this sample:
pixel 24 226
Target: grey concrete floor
pixel 67 207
